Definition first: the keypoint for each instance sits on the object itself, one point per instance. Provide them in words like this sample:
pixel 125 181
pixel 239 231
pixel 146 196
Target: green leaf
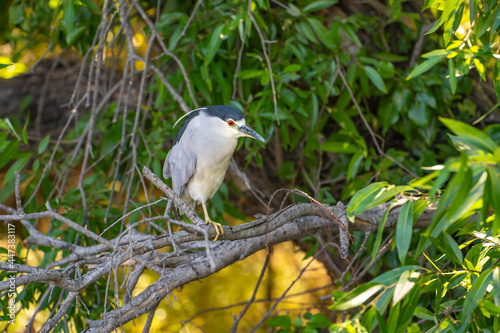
pixel 357 296
pixel 470 136
pixel 404 230
pixel 453 249
pixel 435 53
pixel 6 190
pixel 496 78
pixel 476 293
pixel 340 147
pixel 43 144
pixel 4 65
pixel 3 137
pixel 69 16
pixel 424 67
pixel 354 164
pixel 214 44
pixel 280 321
pixel 318 5
pixel 390 277
pixel 314 109
pixel 436 26
pixel 496 285
pixel 496 23
pixel 91 5
pixel 348 30
pixel 293 10
pixel 8 152
pixel 291 68
pixel 308 32
pixel 18 165
pixel 24 135
pixel 423 313
pixel 418 114
pixel 380 231
pixel 319 321
pixel 321 32
pixel 492 191
pixel 405 284
pixel 376 79
pixel 362 198
pixel 250 73
pixel 74 34
pixel 451 75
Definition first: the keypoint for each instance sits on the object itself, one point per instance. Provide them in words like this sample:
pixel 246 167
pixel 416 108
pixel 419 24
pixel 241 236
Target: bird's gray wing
pixel 180 164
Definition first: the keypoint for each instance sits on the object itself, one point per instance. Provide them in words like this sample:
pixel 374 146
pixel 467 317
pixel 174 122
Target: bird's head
pixel 223 121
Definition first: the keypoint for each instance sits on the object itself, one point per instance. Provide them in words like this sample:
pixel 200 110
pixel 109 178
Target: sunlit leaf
pixel 469 135
pixel 493 193
pixel 357 296
pixel 362 198
pixel 476 293
pixel 405 284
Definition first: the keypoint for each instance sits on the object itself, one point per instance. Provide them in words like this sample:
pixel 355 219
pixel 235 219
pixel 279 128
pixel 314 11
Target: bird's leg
pixel 216 225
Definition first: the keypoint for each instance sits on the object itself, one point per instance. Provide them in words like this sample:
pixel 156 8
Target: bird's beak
pixel 247 131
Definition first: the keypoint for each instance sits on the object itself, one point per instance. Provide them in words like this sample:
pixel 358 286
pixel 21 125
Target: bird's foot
pixel 217 227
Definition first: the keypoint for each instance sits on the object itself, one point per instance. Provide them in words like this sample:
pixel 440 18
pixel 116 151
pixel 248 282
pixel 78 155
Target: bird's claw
pixel 217 227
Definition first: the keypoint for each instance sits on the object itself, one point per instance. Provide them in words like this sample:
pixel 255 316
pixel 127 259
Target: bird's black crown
pixel 223 112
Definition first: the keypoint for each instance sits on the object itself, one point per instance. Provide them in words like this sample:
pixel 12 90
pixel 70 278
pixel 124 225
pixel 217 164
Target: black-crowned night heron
pixel 202 150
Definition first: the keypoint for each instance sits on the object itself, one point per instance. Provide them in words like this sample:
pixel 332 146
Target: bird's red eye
pixel 230 122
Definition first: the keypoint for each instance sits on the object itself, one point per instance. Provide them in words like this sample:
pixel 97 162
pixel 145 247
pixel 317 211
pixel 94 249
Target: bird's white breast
pixel 214 150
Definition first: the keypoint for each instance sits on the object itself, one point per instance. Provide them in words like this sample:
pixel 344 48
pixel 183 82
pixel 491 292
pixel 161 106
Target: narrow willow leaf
pixel 390 277
pixel 453 249
pixel 213 44
pixel 424 67
pixel 376 79
pixel 357 296
pixel 496 78
pixel 404 230
pixel 452 77
pixel 361 197
pixel 496 23
pixel 471 136
pixel 318 5
pixel 43 144
pixel 380 231
pixel 405 284
pixel 476 293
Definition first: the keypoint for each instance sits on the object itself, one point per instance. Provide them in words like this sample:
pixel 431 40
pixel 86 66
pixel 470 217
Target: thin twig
pixel 252 299
pixel 183 33
pixel 19 203
pixel 271 310
pixel 32 68
pixel 266 56
pixel 374 139
pixel 240 55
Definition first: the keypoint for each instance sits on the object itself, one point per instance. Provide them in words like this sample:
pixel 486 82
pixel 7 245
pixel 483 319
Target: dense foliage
pixel 350 110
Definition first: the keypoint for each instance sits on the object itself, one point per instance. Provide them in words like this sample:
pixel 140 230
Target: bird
pixel 201 152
